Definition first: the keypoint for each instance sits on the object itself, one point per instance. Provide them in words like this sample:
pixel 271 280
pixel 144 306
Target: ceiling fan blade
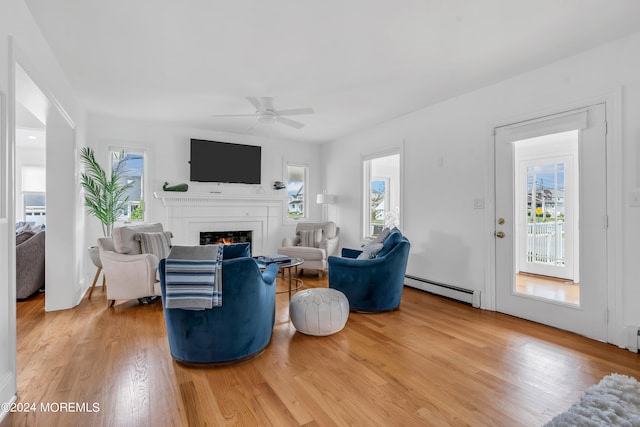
pixel 253 125
pixel 256 103
pixel 233 115
pixel 295 111
pixel 289 122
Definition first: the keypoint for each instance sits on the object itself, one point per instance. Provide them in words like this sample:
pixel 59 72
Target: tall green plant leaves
pixel 105 197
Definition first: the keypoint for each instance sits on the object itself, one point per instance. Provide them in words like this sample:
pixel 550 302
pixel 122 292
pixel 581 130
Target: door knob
pixel 500 221
pixel 500 234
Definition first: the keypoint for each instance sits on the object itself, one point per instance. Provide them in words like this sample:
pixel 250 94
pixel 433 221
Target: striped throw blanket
pixel 193 277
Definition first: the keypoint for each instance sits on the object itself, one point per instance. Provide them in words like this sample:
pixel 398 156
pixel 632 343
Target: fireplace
pixel 189 214
pixel 225 237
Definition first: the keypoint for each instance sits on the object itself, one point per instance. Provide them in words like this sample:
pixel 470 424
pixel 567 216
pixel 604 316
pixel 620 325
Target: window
pixel 33 187
pixel 34 208
pixel 296 191
pixel 381 195
pixel 132 164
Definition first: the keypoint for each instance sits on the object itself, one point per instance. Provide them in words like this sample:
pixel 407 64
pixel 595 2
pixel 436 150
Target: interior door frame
pixel 365 184
pixel 614 161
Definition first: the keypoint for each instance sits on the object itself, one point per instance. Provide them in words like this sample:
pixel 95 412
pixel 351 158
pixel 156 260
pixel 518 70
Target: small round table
pixel 285 266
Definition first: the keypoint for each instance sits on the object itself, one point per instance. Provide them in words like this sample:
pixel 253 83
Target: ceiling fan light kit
pixel 266 113
pixel 266 117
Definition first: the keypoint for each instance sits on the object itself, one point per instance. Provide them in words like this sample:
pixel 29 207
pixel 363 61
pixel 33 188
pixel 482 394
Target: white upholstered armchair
pixel 130 260
pixel 314 242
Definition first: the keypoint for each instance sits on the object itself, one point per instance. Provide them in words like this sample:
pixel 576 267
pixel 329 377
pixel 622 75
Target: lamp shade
pixel 325 199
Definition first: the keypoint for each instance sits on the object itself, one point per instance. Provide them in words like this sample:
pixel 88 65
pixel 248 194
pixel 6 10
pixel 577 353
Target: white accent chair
pixel 314 242
pixel 130 274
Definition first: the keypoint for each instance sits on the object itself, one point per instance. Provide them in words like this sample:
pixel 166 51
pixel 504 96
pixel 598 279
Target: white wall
pixel 447 162
pixel 28 45
pixel 168 150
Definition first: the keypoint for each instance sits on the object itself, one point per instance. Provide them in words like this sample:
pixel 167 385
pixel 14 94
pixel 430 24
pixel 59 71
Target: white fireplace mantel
pixel 188 214
pixel 175 198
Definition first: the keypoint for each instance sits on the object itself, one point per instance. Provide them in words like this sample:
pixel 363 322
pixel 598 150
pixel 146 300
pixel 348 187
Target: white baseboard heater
pixel 454 292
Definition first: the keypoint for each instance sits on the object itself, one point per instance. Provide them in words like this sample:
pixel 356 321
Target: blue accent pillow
pixel 236 250
pixel 390 242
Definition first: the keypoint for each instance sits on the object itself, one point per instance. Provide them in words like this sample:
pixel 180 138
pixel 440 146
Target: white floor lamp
pixel 325 200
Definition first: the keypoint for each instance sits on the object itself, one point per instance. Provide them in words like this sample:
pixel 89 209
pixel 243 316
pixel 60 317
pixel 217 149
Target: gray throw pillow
pixel 370 251
pixel 157 243
pixel 310 238
pixel 382 235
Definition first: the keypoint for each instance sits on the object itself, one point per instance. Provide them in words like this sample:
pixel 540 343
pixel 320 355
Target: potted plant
pixel 105 197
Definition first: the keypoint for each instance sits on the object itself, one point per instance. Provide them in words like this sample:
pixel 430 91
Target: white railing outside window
pixel 545 243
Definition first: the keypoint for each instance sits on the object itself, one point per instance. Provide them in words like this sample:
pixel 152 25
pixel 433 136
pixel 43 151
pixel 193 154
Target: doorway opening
pixel 547 213
pixel 382 191
pixel 30 185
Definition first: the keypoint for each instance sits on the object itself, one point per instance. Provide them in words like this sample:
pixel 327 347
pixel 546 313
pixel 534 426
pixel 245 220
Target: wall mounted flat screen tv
pixel 213 161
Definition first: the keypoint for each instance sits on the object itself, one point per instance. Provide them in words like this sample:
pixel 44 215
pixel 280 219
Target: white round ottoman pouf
pixel 319 311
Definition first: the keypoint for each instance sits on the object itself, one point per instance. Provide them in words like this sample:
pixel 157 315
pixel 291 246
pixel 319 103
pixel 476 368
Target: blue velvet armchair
pixel 240 328
pixel 372 285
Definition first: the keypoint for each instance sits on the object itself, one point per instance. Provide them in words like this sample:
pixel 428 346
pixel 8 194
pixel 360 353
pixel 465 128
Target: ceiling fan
pixel 266 113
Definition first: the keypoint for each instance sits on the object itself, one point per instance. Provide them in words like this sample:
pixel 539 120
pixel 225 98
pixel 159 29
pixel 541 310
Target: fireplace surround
pixel 189 214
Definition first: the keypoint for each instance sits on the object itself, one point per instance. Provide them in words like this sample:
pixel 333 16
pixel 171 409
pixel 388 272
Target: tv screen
pixel 213 161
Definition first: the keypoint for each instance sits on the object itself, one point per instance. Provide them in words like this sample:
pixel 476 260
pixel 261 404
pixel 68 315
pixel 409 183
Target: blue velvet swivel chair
pixel 372 285
pixel 240 328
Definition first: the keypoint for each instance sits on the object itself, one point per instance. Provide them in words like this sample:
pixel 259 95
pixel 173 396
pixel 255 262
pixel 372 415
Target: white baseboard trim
pixel 7 391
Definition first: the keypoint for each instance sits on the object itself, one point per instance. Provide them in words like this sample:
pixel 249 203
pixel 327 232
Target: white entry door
pixel 589 316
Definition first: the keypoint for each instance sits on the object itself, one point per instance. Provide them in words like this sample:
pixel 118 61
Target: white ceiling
pixel 355 62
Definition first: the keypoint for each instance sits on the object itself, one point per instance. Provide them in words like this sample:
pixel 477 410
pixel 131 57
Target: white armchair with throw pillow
pixel 314 242
pixel 130 260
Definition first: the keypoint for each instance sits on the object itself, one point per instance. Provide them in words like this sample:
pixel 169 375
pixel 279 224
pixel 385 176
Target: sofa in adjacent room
pixel 30 262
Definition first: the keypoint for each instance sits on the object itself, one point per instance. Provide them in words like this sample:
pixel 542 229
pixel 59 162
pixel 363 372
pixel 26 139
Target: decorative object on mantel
pixel 178 187
pixel 278 185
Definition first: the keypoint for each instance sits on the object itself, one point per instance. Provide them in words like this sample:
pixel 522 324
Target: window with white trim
pixel 297 200
pixel 132 162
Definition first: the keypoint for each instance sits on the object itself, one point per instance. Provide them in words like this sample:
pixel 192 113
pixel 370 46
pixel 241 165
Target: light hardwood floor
pixel 433 362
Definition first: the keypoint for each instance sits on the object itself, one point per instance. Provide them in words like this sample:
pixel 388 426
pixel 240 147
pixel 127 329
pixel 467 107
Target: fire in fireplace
pixel 225 237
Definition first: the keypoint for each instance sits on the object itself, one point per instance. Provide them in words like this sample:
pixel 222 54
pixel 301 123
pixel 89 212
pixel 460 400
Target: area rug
pixel 614 401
